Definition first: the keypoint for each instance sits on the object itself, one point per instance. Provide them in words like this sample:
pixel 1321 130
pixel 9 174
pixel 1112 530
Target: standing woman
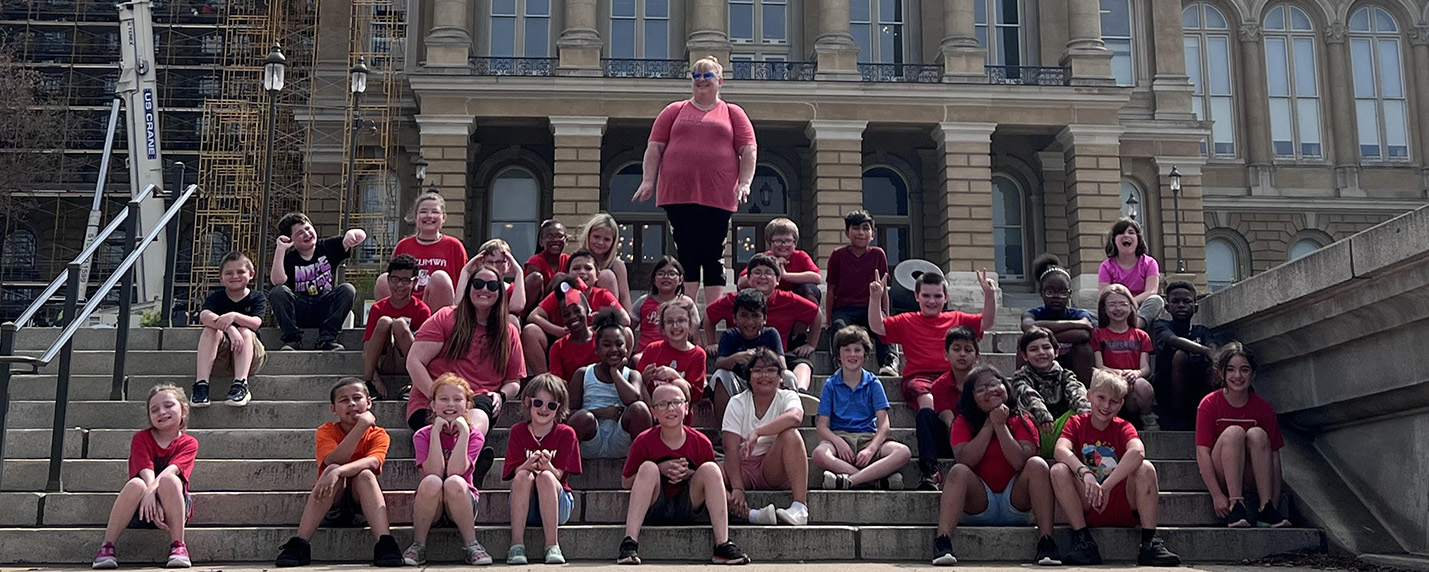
pixel 703 150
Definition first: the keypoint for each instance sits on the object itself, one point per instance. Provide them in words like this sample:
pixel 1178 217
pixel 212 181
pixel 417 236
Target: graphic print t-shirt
pixel 317 275
pixel 1100 450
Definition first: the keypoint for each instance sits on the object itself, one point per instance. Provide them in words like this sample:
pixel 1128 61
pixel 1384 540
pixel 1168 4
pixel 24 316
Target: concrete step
pixel 601 543
pixel 398 473
pixel 591 507
pixel 35 444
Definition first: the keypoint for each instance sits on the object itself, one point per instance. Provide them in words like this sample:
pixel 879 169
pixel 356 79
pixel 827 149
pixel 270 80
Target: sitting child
pixel 1125 350
pixel 577 348
pixel 673 478
pixel 545 324
pixel 1183 359
pixel 1102 478
pixel 1044 389
pixel 438 255
pixel 851 268
pixel 1072 326
pixel 667 284
pixel 306 292
pixel 797 319
pixel 446 452
pixel 676 358
pixel 606 395
pixel 229 343
pixel 763 449
pixel 541 454
pixel 800 274
pixel 543 266
pixel 853 422
pixel 350 453
pixel 390 325
pixel 736 350
pixel 933 424
pixel 1236 427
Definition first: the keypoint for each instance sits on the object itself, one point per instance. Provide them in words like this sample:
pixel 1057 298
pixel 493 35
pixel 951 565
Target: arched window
pixel 885 196
pixel 1116 33
pixel 1133 209
pixel 1380 109
pixel 520 28
pixel 20 249
pixel 1208 62
pixel 640 29
pixel 759 29
pixel 1005 49
pixel 515 208
pixel 1293 82
pixel 1303 247
pixel 1007 226
pixel 768 200
pixel 877 28
pixel 643 226
pixel 1306 242
pixel 1227 258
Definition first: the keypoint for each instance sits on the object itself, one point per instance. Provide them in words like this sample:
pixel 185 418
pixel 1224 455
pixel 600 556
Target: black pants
pixel 324 311
pixel 932 438
pixel 857 316
pixel 700 232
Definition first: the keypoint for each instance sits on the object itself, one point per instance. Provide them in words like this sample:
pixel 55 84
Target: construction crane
pixel 138 88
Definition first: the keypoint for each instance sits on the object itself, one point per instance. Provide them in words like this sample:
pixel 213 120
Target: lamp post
pixel 421 167
pixel 273 69
pixel 358 76
pixel 1131 204
pixel 1176 205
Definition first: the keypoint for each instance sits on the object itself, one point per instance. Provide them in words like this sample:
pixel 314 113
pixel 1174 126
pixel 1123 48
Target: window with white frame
pixel 1116 33
pixel 520 28
pixel 758 22
pixel 1380 108
pixel 640 29
pixel 1005 17
pixel 1132 205
pixel 1208 62
pixel 515 196
pixel 1007 222
pixel 1293 82
pixel 877 28
pixel 1222 263
pixel 885 196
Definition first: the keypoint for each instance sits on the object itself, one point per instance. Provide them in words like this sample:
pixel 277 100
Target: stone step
pixel 916 508
pixel 398 473
pixel 601 543
pixel 35 444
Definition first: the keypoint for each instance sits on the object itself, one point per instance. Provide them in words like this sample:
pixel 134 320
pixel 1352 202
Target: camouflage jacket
pixel 1048 395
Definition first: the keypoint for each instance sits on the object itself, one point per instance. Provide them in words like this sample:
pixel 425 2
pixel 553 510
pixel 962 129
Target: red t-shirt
pixel 648 447
pixel 598 297
pixel 568 356
pixel 994 469
pixel 543 265
pixel 946 392
pixel 561 440
pixel 1099 449
pixel 690 363
pixel 799 261
pixel 701 160
pixel 850 275
pixel 446 254
pixel 416 311
pixel 783 309
pixel 922 338
pixel 1122 351
pixel 649 318
pixel 479 372
pixel 145 453
pixel 1215 414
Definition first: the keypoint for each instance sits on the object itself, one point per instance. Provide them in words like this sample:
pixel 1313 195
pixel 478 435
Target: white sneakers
pixel 796 515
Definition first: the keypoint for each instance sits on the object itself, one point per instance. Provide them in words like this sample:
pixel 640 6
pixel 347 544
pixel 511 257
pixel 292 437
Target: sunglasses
pixel 489 285
pixel 549 405
pixel 704 75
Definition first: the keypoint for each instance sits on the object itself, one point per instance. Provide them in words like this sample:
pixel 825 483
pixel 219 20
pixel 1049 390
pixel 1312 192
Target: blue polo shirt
pixel 852 409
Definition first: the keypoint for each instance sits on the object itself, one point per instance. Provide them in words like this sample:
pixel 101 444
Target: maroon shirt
pixel 850 275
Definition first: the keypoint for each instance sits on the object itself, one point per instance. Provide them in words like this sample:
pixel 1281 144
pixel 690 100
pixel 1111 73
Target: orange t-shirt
pixel 373 444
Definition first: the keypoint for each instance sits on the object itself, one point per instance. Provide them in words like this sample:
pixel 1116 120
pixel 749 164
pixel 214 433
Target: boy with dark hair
pixel 851 268
pixel 797 319
pixel 920 331
pixel 960 345
pixel 798 272
pixel 391 324
pixel 1184 353
pixel 305 290
pixel 735 352
pixel 1044 389
pixel 350 453
pixel 229 343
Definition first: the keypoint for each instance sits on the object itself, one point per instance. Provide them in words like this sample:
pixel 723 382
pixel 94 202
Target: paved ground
pixel 819 567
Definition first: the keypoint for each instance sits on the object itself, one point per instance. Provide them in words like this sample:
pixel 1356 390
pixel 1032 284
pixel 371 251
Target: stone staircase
pixel 255 468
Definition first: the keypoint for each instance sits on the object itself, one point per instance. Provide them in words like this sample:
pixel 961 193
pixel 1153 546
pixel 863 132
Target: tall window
pixel 1132 209
pixel 521 28
pixel 1208 62
pixel 1116 32
pixel 885 196
pixel 1005 49
pixel 643 226
pixel 1007 226
pixel 759 22
pixel 1380 109
pixel 877 28
pixel 515 208
pixel 640 29
pixel 1294 88
pixel 768 200
pixel 379 199
pixel 1223 263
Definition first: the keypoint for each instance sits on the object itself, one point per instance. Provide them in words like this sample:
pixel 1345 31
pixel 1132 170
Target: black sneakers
pixel 296 552
pixel 1047 553
pixel 200 394
pixel 629 552
pixel 1084 552
pixel 1272 516
pixel 330 346
pixel 1239 517
pixel 386 554
pixel 728 553
pixel 928 480
pixel 1154 553
pixel 237 393
pixel 943 551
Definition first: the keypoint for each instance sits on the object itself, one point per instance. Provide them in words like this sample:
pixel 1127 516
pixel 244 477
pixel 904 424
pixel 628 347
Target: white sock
pixel 753 513
pixel 797 506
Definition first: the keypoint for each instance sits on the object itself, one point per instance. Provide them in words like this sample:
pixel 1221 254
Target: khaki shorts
pixel 857 441
pixel 223 363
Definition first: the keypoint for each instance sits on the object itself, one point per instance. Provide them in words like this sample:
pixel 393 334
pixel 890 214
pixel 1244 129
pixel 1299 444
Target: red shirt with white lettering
pixel 561 440
pixel 1123 350
pixel 446 254
pixel 1216 414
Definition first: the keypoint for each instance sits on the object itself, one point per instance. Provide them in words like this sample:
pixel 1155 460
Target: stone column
pixel 449 41
pixel 1419 42
pixel 1342 114
pixel 1193 219
pixel 838 179
pixel 1054 202
pixel 1255 108
pixel 1086 54
pixel 1093 161
pixel 579 45
pixel 1170 86
pixel 446 141
pixel 576 188
pixel 834 49
pixel 963 59
pixel 963 204
pixel 709 30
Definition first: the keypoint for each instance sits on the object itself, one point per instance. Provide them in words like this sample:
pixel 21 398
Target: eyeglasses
pixel 764 370
pixel 704 75
pixel 1057 293
pixel 668 274
pixel 664 405
pixel 986 387
pixel 677 322
pixel 782 241
pixel 398 280
pixel 549 405
pixel 1119 305
pixel 489 285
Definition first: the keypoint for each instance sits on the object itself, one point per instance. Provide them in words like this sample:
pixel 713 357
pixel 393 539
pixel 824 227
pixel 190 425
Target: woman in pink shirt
pixel 1128 264
pixel 703 151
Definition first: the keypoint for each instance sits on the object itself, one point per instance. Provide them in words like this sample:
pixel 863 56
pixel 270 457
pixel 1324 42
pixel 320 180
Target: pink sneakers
pixel 179 556
pixel 106 558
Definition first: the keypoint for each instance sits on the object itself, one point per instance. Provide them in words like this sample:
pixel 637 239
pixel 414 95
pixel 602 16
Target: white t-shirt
pixel 739 416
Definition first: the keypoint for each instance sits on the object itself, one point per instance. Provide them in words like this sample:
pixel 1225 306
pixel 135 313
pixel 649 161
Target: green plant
pixel 151 319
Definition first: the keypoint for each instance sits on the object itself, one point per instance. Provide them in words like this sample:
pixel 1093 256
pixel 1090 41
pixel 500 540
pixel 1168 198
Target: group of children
pixel 596 375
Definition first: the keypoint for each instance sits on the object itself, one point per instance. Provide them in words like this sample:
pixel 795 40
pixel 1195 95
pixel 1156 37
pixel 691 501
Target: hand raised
pixel 987 284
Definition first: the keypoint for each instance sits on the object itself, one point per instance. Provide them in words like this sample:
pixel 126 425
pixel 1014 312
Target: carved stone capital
pixel 1250 32
pixel 1419 36
pixel 1335 33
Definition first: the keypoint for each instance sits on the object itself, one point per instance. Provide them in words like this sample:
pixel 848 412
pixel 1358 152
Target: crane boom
pixel 138 88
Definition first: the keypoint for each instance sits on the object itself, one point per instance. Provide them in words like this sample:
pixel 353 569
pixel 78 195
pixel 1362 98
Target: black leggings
pixel 700 232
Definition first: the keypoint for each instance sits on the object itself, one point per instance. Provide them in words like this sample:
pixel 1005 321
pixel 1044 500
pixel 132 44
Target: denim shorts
pixel 565 502
pixel 1000 511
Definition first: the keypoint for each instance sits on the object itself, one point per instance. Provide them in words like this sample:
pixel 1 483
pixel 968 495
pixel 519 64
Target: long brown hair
pixel 498 332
